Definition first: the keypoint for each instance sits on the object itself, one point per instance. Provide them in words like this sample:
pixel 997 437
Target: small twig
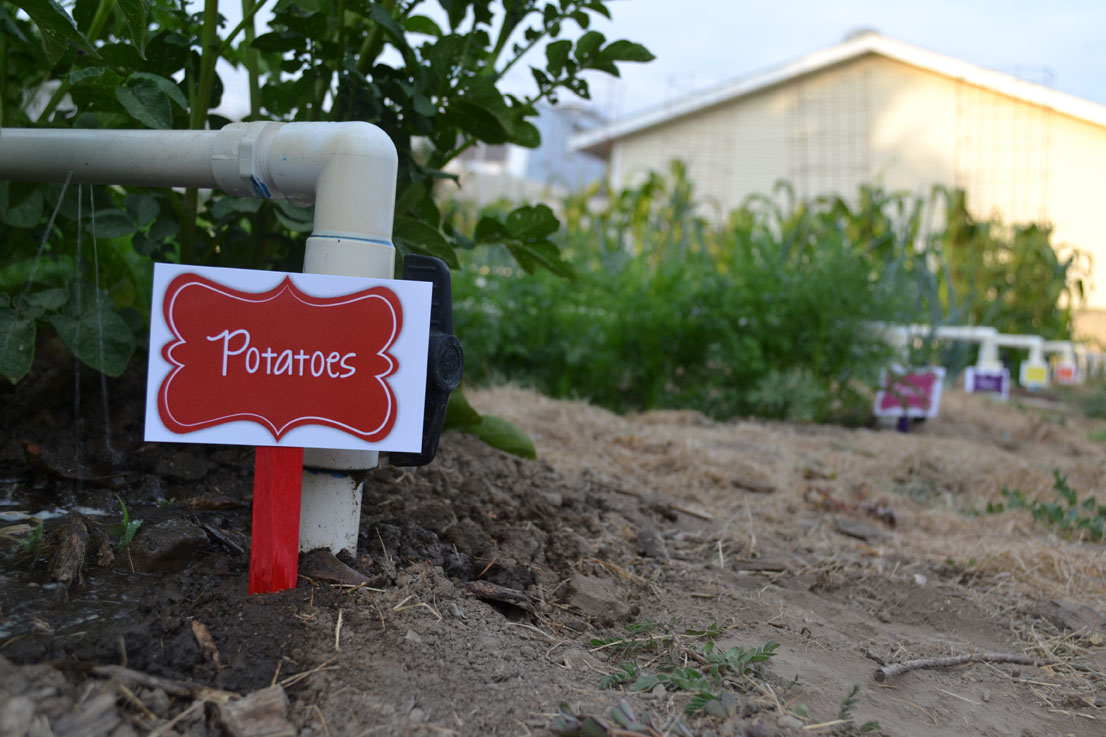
pixel 387 557
pixel 276 673
pixel 692 654
pixel 532 627
pixel 294 679
pixel 691 511
pixel 631 641
pixel 187 713
pixel 486 568
pixel 962 698
pixel 173 688
pixel 823 725
pixel 1073 714
pixel 889 671
pixel 416 606
pixel 137 703
pixel 326 729
pixel 752 531
pixel 615 569
pixel 338 633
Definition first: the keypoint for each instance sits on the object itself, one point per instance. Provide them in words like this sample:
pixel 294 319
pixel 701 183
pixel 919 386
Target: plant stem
pixel 246 24
pixel 3 79
pixel 339 58
pixel 249 58
pixel 197 119
pixel 95 28
pixel 100 19
pixel 370 47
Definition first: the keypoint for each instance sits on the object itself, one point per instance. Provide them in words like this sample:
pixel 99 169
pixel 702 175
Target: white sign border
pixel 409 349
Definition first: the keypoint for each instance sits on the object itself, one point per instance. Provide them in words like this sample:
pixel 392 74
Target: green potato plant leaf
pixel 56 26
pixel 136 13
pixel 17 344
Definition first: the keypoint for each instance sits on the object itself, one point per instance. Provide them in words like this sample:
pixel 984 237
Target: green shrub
pixel 669 311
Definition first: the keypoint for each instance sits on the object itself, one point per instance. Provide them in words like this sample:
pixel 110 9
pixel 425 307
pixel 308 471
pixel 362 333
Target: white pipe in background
pixel 1034 370
pixel 1064 349
pixel 347 169
pixel 1089 360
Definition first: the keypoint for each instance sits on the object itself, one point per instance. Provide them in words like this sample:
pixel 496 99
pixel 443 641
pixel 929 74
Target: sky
pixel 701 43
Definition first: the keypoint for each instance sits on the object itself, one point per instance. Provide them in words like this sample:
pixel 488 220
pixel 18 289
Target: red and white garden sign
pixel 247 357
pixel 912 392
pixel 294 361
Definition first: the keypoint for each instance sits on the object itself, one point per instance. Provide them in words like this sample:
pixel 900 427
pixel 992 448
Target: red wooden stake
pixel 275 539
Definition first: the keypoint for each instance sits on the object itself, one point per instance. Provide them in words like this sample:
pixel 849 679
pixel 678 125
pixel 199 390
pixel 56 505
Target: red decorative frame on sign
pixel 281 358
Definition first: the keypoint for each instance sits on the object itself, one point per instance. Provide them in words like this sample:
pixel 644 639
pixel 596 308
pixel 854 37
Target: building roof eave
pixel 600 140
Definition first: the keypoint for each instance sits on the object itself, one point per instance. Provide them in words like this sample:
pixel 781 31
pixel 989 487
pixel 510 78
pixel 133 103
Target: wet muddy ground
pixel 492 595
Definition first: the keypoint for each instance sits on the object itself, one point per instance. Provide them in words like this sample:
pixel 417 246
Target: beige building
pixel 873 109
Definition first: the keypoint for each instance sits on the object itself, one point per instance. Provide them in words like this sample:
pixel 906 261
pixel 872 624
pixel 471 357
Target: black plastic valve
pixel 445 359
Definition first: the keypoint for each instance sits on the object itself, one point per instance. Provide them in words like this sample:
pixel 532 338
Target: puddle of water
pixel 18 515
pixel 46 608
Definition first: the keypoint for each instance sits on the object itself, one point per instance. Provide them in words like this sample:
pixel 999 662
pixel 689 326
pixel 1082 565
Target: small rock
pixel 413 637
pixel 261 714
pixel 575 657
pixel 96 717
pixel 165 546
pixel 986 695
pixel 856 528
pixel 124 730
pixel 598 598
pixel 322 565
pixel 659 691
pixel 786 721
pixel 16 715
pixel 756 729
pixel 650 544
pixel 1080 619
pixel 157 701
pixel 554 499
pixel 417 715
pixel 40 727
pixel 919 579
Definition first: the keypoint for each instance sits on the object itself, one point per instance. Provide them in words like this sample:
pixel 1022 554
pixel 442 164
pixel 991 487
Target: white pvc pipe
pixel 1035 344
pixel 965 333
pixel 1063 348
pixel 347 169
pixel 900 336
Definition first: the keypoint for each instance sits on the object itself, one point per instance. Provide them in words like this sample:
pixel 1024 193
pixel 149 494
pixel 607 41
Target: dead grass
pixel 937 480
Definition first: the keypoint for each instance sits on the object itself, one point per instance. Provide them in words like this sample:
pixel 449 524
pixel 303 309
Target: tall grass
pixel 765 311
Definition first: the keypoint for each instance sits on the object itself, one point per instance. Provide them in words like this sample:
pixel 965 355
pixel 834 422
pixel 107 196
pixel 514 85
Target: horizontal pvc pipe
pixel 138 157
pixel 965 333
pixel 1025 342
pixel 347 169
pixel 1064 348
